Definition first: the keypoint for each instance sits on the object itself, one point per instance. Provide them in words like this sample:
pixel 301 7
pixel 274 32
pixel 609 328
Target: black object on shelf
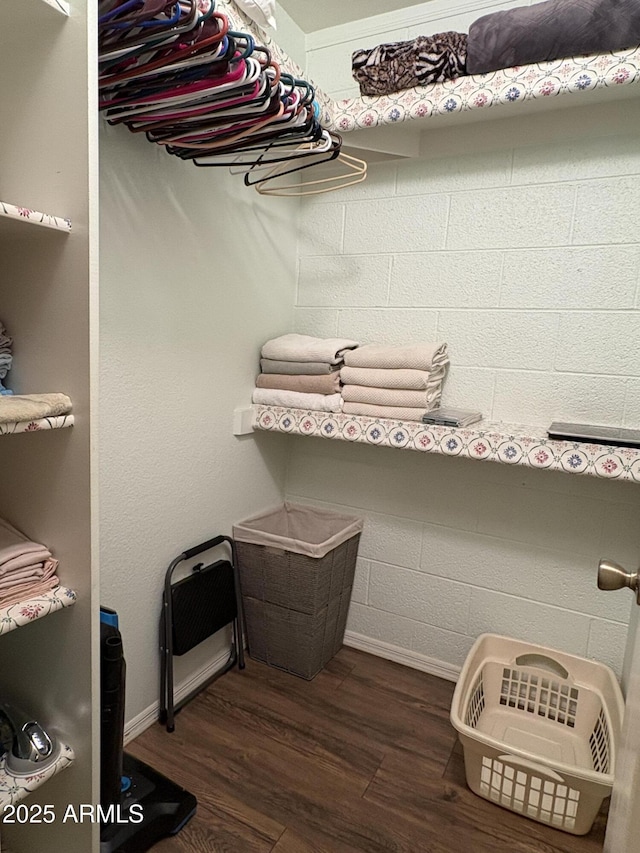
pixel 590 434
pixel 141 805
pixel 193 609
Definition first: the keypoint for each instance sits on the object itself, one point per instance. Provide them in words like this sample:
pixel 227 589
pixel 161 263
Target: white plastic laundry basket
pixel 539 729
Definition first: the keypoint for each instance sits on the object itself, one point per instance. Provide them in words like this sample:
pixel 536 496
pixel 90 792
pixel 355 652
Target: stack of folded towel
pixel 302 372
pixel 398 382
pixel 27 568
pixel 32 407
pixel 6 358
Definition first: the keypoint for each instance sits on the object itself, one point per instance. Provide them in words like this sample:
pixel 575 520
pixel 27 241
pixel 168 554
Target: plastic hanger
pixel 355 174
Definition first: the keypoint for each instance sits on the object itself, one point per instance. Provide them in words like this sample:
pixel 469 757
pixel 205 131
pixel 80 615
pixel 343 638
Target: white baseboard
pixel 149 716
pixel 415 660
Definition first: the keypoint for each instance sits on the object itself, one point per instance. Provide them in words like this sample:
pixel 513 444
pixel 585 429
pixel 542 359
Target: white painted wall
pixel 516 242
pixel 289 36
pixel 196 272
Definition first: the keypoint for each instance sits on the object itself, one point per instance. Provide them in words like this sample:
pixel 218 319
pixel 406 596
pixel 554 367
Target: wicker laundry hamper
pixel 540 730
pixel 296 565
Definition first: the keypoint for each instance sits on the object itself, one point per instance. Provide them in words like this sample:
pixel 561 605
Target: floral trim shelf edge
pixel 511 444
pixel 541 81
pixel 14 789
pixel 24 612
pixel 59 422
pixel 34 217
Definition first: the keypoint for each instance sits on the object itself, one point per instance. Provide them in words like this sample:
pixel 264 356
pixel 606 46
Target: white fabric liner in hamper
pixel 540 730
pixel 302 529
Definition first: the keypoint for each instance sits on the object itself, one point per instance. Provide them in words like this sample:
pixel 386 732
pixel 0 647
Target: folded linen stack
pixel 32 407
pixel 302 372
pixel 27 568
pixel 6 359
pixel 398 382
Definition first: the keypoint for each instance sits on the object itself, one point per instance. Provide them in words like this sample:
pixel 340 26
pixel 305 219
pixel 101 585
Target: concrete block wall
pixel 516 242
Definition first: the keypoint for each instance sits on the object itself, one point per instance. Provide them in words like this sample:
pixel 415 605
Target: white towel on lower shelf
pixel 392 413
pixel 399 397
pixel 297 400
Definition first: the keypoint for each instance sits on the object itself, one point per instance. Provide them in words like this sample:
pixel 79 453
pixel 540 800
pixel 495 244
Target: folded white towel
pixel 297 400
pixel 409 356
pixel 30 407
pixel 416 380
pixel 306 348
pixel 393 413
pixel 401 397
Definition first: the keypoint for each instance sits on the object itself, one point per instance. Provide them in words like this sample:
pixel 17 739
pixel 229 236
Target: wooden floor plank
pixel 451 813
pixel 302 720
pixel 362 759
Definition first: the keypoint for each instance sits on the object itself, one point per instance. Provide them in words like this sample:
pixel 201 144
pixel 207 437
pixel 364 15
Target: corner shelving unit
pixel 510 444
pixel 48 301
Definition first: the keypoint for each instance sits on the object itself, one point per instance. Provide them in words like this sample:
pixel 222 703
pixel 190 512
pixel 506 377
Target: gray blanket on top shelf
pixel 551 30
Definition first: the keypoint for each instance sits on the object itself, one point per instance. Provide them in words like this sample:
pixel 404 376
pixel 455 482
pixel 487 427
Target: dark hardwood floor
pixel 362 758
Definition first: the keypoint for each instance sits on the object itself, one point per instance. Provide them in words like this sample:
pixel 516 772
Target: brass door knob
pixel 612 576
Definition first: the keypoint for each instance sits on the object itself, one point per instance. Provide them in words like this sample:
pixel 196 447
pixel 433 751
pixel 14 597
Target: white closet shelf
pixel 13 218
pixel 13 789
pixel 545 85
pixel 510 444
pixel 24 612
pixel 59 422
pixel 368 122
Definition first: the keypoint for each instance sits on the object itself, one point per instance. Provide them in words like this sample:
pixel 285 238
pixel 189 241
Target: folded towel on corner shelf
pixel 396 397
pixel 24 559
pixel 551 30
pixel 415 380
pixel 297 400
pixel 293 368
pixel 327 384
pixel 408 356
pixel 14 544
pixel 394 413
pixel 294 347
pixel 31 407
pixel 27 568
pixel 34 574
pixel 23 592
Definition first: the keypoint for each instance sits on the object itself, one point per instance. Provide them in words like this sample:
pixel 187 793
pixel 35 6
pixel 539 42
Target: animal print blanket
pixel 403 64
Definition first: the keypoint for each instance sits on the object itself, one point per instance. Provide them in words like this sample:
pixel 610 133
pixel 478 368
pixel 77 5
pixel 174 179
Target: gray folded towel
pixel 551 30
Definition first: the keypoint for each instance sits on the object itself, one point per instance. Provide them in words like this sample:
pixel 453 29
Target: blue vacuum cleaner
pixel 139 805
